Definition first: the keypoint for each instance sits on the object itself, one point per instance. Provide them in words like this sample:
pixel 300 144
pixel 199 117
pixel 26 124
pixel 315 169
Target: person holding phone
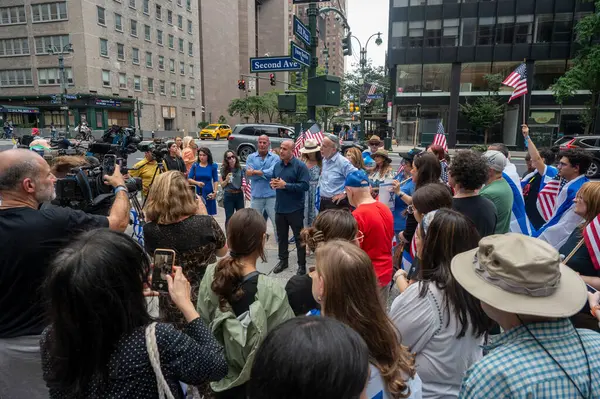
pixel 231 182
pixel 205 177
pixel 173 160
pixel 97 342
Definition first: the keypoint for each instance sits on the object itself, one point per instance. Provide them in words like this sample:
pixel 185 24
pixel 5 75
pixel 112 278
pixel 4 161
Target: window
pixel 132 4
pixel 104 47
pixel 147 36
pixel 547 73
pixel 150 85
pixel 415 33
pixel 12 15
pixel 190 49
pixel 433 33
pixel 16 77
pixel 468 31
pixel 472 76
pixel 505 30
pixel 436 77
pixel 180 22
pixel 543 28
pixel 12 47
pixel 191 69
pixel 134 28
pixel 159 12
pixel 504 69
pixel 182 91
pixel 148 59
pixel 161 87
pixel 172 65
pixel 171 42
pixel 52 76
pixel 182 68
pixel 146 6
pixel 192 92
pixel 48 12
pixel 408 78
pixel 43 42
pixel 105 78
pixel 173 90
pixel 137 83
pixel 161 63
pixel 399 34
pixel 524 29
pixel 159 37
pixel 101 13
pixel 120 52
pixel 563 28
pixel 170 17
pixel 181 45
pixel 122 81
pixel 179 3
pixel 135 55
pixel 190 27
pixel 118 22
pixel 188 5
pixel 418 2
pixel 450 35
pixel 485 33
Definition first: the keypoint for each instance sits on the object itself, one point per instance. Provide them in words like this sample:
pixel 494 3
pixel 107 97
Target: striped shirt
pixel 519 368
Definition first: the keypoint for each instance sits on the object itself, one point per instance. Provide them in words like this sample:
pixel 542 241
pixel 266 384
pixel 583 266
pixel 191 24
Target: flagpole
pixel 524 96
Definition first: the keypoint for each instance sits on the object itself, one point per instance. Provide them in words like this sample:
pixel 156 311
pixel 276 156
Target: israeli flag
pixel 407 260
pixel 564 220
pixel 549 174
pixel 519 222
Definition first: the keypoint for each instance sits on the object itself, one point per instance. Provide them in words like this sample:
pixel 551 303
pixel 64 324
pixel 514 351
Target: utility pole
pixel 63 81
pixel 313 12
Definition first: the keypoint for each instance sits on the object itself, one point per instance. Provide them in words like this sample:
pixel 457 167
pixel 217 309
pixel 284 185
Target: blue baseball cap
pixel 357 179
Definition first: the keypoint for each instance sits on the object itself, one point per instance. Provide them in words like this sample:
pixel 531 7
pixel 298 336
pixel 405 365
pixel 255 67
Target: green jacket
pixel 241 336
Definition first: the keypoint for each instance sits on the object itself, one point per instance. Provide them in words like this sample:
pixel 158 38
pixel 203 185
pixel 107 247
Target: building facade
pixel 123 51
pixel 441 50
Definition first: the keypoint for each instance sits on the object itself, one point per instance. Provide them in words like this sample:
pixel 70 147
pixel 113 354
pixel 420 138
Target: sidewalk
pixel 406 148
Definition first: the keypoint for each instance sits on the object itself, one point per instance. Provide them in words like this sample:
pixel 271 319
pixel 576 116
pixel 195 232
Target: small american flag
pixel 591 235
pixel 413 245
pixel 440 137
pixel 313 133
pixel 246 188
pixel 370 92
pixel 400 170
pixel 547 197
pixel 518 81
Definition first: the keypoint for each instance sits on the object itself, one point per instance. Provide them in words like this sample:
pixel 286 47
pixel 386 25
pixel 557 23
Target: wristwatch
pixel 121 188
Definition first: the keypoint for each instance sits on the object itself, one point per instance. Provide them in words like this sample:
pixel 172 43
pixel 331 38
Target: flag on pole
pixel 518 81
pixel 591 235
pixel 313 133
pixel 547 197
pixel 372 89
pixel 440 137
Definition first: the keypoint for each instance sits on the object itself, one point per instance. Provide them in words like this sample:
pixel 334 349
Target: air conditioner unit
pixel 466 87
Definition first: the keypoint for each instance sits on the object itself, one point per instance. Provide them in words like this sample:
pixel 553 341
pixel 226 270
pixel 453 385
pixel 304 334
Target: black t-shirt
pixel 30 239
pixel 250 287
pixel 581 260
pixel 480 210
pixel 530 195
pixel 300 297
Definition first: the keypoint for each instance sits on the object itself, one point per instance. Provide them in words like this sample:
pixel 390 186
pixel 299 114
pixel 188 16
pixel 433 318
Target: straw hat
pixel 375 140
pixel 522 275
pixel 310 145
pixel 381 153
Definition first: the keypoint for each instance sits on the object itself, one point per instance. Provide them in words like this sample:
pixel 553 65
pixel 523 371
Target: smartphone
pixel 109 163
pixel 164 260
pixel 591 289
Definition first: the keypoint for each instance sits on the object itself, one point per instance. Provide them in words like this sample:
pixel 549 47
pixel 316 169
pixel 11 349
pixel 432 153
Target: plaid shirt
pixel 518 367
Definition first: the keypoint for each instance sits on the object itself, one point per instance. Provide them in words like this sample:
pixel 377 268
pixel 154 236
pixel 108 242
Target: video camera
pixel 159 150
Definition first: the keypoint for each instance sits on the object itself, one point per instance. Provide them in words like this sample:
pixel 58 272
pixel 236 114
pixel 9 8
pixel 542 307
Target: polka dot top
pixel 192 356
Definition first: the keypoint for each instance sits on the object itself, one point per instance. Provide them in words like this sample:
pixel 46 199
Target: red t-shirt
pixel 376 222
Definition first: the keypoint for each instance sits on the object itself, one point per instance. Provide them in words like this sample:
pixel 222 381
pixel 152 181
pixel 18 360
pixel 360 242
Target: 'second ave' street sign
pixel 273 64
pixel 301 31
pixel 300 55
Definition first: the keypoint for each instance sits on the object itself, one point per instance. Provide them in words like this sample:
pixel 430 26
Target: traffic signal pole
pixel 313 12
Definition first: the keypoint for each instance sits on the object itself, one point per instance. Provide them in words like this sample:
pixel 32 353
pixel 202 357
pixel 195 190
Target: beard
pixel 45 193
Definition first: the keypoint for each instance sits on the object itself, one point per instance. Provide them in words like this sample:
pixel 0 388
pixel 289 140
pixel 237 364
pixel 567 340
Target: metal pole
pixel 139 111
pixel 63 91
pixel 313 12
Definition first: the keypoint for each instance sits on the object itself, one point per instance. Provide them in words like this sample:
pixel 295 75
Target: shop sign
pixel 107 103
pixel 543 118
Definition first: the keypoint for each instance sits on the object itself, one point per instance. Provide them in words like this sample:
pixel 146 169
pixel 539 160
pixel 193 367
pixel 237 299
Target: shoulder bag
pixel 164 392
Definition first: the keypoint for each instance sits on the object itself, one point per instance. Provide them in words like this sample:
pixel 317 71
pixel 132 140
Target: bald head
pixel 263 144
pixel 18 165
pixel 286 150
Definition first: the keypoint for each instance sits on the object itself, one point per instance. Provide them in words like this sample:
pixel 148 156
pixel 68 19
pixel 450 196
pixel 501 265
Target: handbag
pixel 164 392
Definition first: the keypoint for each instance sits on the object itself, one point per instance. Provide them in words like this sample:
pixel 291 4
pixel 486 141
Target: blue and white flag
pixel 564 220
pixel 519 222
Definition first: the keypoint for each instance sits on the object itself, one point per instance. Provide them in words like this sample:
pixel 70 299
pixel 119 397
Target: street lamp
pixel 67 48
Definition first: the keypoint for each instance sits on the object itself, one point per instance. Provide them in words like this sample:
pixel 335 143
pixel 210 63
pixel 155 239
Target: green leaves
pixel 487 111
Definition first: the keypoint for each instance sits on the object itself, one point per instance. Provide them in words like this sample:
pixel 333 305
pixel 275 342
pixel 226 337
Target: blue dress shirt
pixel 261 187
pixel 296 177
pixel 333 175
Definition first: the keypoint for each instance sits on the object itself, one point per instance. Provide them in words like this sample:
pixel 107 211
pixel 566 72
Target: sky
pixel 365 18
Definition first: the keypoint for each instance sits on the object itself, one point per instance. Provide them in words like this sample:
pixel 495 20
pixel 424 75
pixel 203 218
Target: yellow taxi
pixel 215 132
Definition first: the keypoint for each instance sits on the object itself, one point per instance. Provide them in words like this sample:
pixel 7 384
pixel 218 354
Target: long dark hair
pixel 429 169
pixel 331 360
pixel 245 233
pixel 209 156
pixel 318 158
pixel 328 225
pixel 449 234
pixel 225 169
pixel 431 197
pixel 95 297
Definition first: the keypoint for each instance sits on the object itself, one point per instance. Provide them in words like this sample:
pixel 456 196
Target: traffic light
pixel 351 107
pixel 299 78
pixel 272 79
pixel 347 46
pixel 242 84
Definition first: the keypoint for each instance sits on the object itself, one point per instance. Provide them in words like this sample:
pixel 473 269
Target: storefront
pixel 19 116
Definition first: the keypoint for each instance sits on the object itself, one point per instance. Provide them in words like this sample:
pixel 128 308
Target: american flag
pixel 518 81
pixel 400 170
pixel 370 92
pixel 314 133
pixel 413 245
pixel 246 188
pixel 591 235
pixel 440 137
pixel 547 197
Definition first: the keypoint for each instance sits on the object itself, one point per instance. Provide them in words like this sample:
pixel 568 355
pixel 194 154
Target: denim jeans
pixel 232 202
pixel 268 205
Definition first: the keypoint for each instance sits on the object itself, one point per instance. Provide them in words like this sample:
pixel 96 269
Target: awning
pixel 15 109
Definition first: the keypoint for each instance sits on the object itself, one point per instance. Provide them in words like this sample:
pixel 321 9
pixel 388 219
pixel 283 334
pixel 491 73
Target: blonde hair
pixel 170 199
pixel 590 194
pixel 356 158
pixel 187 140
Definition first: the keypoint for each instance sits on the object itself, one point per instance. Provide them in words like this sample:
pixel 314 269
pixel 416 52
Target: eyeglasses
pixel 231 157
pixel 360 237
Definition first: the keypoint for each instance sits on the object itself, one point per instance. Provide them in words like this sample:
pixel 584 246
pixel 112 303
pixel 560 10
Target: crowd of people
pixel 491 271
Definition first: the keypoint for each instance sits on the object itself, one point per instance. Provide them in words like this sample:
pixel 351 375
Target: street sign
pixel 375 96
pixel 300 55
pixel 252 85
pixel 273 64
pixel 309 1
pixel 301 31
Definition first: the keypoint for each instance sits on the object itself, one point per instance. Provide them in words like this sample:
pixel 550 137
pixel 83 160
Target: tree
pixel 486 111
pixel 352 89
pixel 270 103
pixel 585 73
pixel 202 125
pixel 256 105
pixel 239 106
pixel 222 120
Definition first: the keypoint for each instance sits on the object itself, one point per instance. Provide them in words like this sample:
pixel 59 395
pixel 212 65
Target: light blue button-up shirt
pixel 261 184
pixel 333 175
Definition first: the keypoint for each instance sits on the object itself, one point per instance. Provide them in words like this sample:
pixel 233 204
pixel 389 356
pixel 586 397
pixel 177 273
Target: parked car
pixel 244 139
pixel 215 132
pixel 590 144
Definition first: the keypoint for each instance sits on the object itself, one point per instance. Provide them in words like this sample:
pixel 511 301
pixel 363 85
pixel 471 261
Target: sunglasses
pixel 231 157
pixel 360 237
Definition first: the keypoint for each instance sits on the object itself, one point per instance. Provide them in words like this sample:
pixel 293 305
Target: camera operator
pixel 146 169
pixel 30 238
